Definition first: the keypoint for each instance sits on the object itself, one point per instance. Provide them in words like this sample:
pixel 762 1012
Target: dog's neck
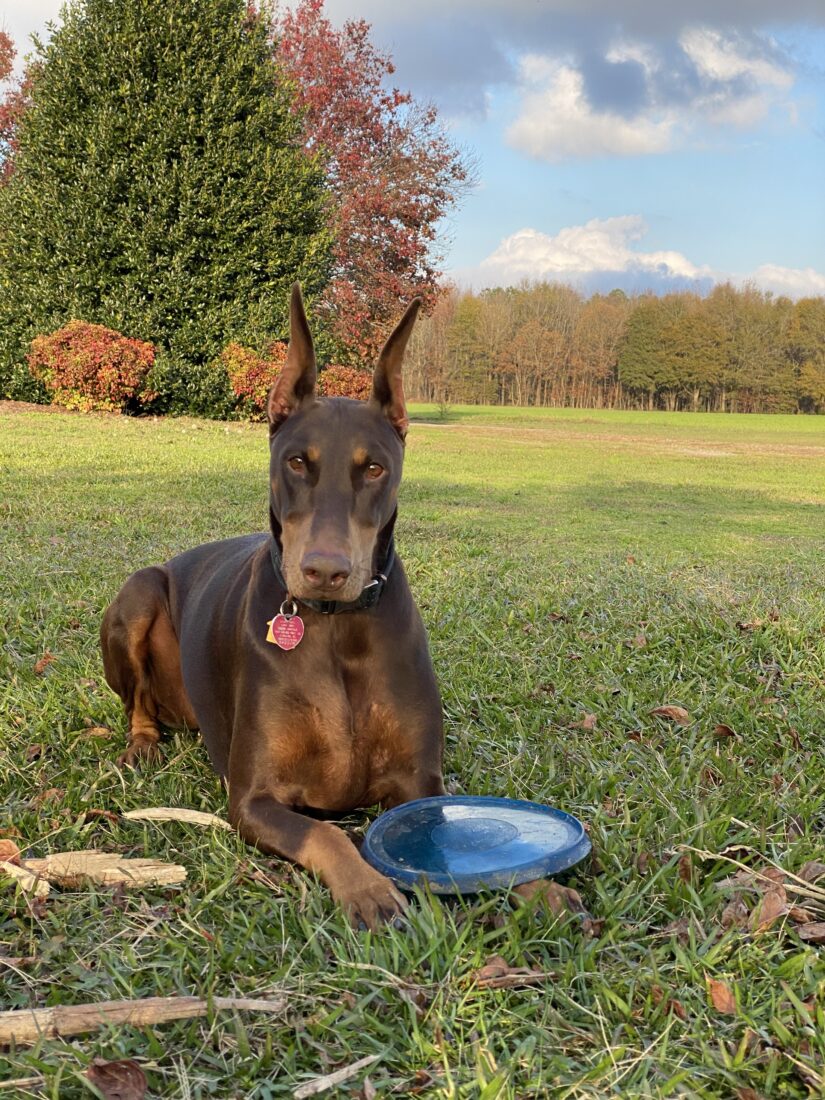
pixel 383 561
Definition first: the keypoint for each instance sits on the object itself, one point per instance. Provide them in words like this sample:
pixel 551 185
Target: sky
pixel 645 144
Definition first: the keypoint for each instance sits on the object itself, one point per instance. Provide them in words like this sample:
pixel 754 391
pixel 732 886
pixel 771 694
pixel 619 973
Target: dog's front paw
pixel 141 749
pixel 371 900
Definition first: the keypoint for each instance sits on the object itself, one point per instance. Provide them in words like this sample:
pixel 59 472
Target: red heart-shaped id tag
pixel 285 631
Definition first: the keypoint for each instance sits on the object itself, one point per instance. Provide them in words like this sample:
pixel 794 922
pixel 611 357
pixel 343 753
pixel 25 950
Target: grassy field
pixel 575 570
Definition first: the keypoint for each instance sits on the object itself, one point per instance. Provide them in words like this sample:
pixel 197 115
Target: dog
pixel 299 653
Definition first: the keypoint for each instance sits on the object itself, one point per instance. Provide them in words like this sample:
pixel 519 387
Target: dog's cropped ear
pixel 387 386
pixel 296 382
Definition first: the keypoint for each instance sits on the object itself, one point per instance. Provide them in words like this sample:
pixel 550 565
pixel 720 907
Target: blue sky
pixel 637 143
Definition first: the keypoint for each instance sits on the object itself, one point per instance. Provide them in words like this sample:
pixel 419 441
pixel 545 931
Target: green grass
pixel 542 546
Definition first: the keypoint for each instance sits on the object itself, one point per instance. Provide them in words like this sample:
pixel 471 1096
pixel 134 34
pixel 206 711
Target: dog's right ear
pixel 296 382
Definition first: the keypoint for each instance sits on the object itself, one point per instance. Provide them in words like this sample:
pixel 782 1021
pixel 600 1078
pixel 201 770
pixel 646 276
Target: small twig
pixel 25 1026
pixel 23 1082
pixel 807 889
pixel 330 1080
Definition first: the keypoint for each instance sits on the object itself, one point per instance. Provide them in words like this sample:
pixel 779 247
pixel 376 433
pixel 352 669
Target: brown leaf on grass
pixel 588 722
pixel 44 662
pixel 722 996
pixel 796 740
pixel 558 899
pixel 558 617
pixel 812 933
pixel 91 815
pixel 122 1080
pixel 812 870
pixel 639 641
pixel 9 852
pixel 748 628
pixel 774 904
pixel 795 827
pixel 676 714
pixel 748 1094
pixel 670 1004
pixel 33 752
pixel 498 974
pixel 634 735
pixel 735 914
pixel 630 559
pixel 721 731
pixel 51 794
pixel 644 861
pixel 799 915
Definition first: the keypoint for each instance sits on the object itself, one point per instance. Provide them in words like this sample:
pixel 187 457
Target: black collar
pixel 369 596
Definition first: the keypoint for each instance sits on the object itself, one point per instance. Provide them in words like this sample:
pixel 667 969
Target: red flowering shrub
pixel 90 367
pixel 251 375
pixel 338 381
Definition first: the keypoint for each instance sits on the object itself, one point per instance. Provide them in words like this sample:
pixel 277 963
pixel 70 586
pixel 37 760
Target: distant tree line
pixel 736 350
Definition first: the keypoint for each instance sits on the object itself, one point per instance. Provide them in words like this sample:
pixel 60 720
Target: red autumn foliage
pixel 12 104
pixel 392 171
pixel 337 381
pixel 90 367
pixel 251 375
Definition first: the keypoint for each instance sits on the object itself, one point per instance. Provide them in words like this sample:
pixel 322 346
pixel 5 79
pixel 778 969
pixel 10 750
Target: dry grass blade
pixel 173 813
pixel 332 1080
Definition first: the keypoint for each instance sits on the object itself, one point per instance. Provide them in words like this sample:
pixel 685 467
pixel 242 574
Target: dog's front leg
pixel 367 897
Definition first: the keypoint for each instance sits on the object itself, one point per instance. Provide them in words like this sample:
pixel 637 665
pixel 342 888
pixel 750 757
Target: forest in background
pixel 734 350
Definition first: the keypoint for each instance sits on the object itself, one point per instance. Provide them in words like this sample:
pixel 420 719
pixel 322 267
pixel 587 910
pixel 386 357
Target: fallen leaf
pixel 108 815
pixel 557 898
pixel 774 904
pixel 799 915
pixel 721 730
pixel 676 714
pixel 588 722
pixel 34 751
pixel 644 861
pixel 812 933
pixel 812 870
pixel 630 559
pixel 558 617
pixel 634 735
pixel 9 852
pixel 44 662
pixel 52 794
pixel 722 997
pixel 773 614
pixel 498 974
pixel 735 914
pixel 751 626
pixel 123 1080
pixel 637 642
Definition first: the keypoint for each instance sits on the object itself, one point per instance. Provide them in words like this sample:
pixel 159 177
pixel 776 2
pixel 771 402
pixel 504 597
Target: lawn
pixel 575 570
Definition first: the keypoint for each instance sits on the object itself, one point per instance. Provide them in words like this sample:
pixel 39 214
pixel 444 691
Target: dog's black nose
pixel 326 571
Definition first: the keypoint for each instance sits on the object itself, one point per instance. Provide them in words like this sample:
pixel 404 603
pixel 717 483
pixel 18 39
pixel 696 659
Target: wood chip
pixel 72 869
pixel 28 881
pixel 173 813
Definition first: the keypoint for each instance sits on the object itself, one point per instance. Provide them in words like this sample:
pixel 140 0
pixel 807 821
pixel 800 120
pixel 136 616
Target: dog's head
pixel 335 466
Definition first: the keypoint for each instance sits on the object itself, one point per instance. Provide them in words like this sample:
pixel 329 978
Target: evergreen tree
pixel 159 186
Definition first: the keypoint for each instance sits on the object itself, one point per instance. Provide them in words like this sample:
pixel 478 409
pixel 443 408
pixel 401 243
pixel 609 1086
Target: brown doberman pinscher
pixel 347 714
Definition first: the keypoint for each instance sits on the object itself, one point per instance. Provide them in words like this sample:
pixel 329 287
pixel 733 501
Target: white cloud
pixel 711 80
pixel 599 246
pixel 557 122
pixel 603 254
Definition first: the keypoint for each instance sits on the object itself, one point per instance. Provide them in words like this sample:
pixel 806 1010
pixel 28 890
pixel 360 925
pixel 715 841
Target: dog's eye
pixel 374 471
pixel 296 463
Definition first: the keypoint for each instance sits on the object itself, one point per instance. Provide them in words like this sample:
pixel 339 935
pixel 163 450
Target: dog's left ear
pixel 387 386
pixel 296 382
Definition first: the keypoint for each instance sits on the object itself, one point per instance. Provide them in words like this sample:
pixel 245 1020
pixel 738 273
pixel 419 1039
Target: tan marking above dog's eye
pixel 374 471
pixel 296 462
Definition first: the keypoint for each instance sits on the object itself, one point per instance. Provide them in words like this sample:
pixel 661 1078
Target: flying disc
pixel 463 844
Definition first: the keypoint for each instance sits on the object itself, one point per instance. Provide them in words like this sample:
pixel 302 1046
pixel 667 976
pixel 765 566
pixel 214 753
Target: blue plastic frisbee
pixel 463 844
